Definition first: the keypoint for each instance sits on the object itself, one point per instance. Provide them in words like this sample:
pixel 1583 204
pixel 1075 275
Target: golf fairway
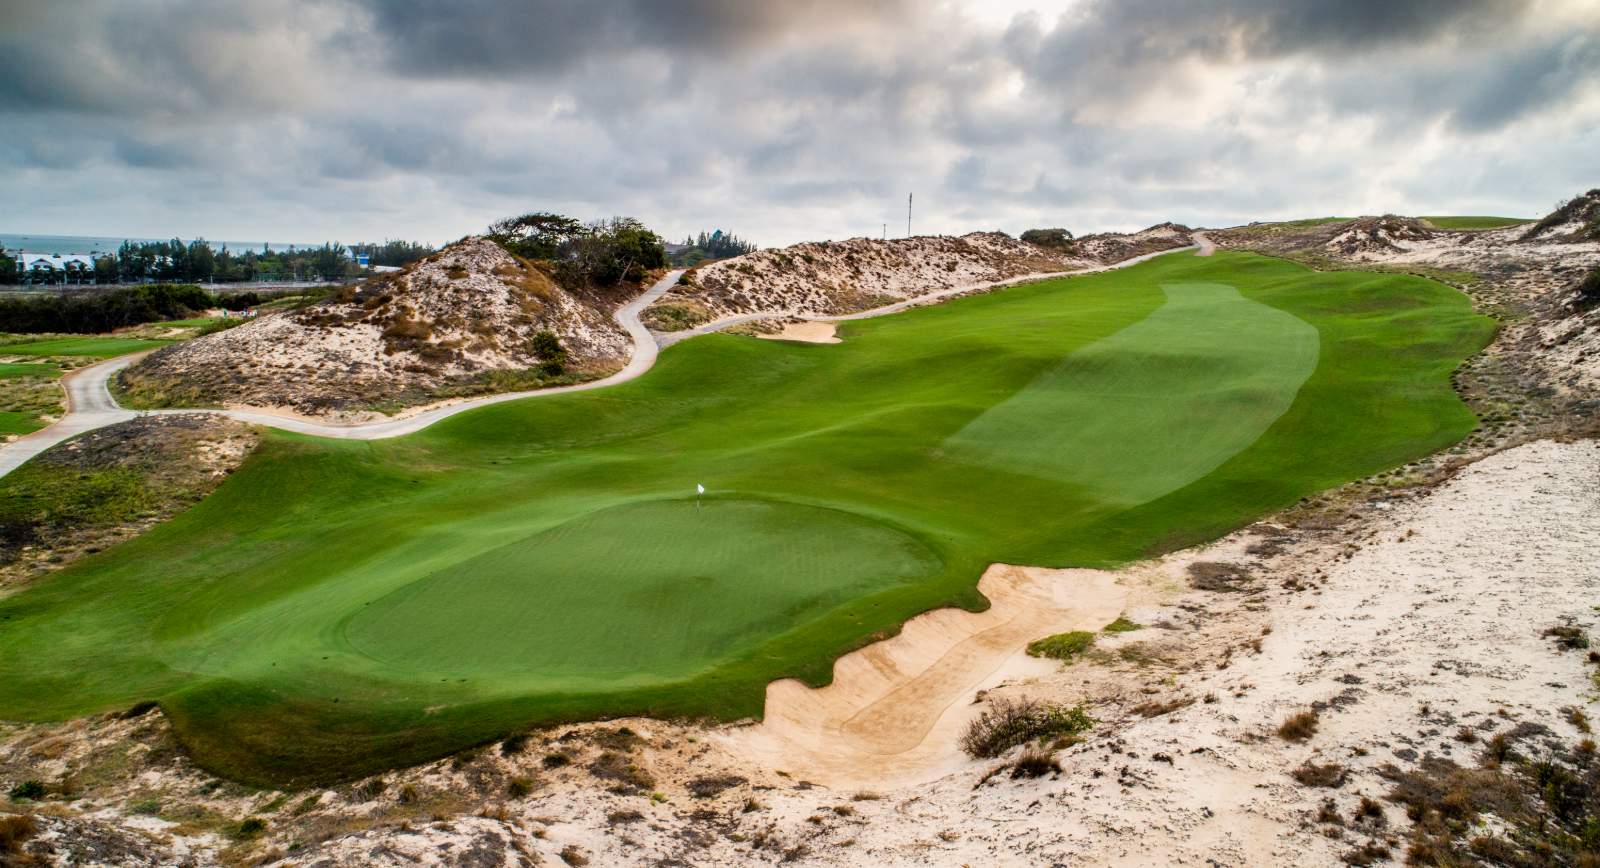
pixel 337 608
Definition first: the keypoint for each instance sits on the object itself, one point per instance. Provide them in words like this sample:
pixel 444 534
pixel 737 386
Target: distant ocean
pixel 106 244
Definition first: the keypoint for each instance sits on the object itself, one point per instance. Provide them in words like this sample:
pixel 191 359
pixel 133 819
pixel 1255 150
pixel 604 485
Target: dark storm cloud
pixel 491 37
pixel 1109 50
pixel 786 120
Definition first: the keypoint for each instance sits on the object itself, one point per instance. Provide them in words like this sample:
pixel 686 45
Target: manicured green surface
pixel 12 370
pixel 1476 222
pixel 17 422
pixel 338 607
pixel 98 347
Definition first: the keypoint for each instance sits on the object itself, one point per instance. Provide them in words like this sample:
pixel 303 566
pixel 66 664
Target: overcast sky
pixel 310 120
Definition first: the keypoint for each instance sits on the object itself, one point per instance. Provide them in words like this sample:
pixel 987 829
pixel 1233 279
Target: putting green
pixel 339 607
pixel 491 613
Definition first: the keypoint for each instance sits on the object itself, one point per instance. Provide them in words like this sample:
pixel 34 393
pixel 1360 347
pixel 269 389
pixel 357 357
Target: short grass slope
pixel 96 347
pixel 338 607
pixel 1476 222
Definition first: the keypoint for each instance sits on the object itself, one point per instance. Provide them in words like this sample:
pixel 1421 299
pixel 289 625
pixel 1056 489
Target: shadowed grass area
pixel 338 607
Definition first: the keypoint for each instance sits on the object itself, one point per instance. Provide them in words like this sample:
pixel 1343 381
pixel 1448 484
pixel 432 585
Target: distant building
pixel 54 267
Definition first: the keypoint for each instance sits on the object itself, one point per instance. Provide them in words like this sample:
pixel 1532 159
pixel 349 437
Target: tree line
pixel 714 245
pixel 197 261
pixel 95 311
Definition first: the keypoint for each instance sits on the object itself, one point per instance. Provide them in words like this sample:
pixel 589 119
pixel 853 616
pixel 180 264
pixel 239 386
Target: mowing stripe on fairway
pixel 1155 406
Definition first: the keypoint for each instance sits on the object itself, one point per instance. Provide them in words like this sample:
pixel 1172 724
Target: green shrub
pixel 33 790
pixel 1062 646
pixel 1007 723
pixel 552 355
pixel 1122 625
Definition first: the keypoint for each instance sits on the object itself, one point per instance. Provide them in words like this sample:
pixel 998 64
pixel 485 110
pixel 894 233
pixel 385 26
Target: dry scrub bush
pixel 1035 762
pixel 1310 774
pixel 1299 726
pixel 1007 723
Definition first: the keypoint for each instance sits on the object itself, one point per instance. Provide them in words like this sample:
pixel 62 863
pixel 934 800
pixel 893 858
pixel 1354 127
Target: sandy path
pixel 1206 245
pixel 896 708
pixel 89 406
pixel 667 339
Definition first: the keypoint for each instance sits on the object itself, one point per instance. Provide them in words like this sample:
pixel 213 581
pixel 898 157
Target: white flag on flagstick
pixel 699 489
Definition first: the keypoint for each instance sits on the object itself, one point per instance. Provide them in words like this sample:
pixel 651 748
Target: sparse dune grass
pixel 338 607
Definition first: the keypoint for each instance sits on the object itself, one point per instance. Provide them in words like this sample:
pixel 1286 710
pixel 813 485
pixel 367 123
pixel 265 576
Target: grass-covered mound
pixel 338 607
pixel 1476 222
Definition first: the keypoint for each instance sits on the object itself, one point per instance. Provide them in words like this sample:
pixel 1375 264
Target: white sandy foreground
pixel 1423 619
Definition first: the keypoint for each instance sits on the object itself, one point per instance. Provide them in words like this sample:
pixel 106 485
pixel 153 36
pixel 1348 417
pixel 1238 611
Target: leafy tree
pixel 8 269
pixel 602 253
pixel 537 235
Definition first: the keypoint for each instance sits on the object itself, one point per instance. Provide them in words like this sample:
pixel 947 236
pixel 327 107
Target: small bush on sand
pixel 1035 762
pixel 1062 646
pixel 551 354
pixel 1007 723
pixel 1568 636
pixel 1589 290
pixel 517 788
pixel 1121 625
pixel 1312 774
pixel 1299 726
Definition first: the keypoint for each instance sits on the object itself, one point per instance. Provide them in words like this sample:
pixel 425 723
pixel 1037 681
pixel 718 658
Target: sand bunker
pixel 895 709
pixel 805 332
